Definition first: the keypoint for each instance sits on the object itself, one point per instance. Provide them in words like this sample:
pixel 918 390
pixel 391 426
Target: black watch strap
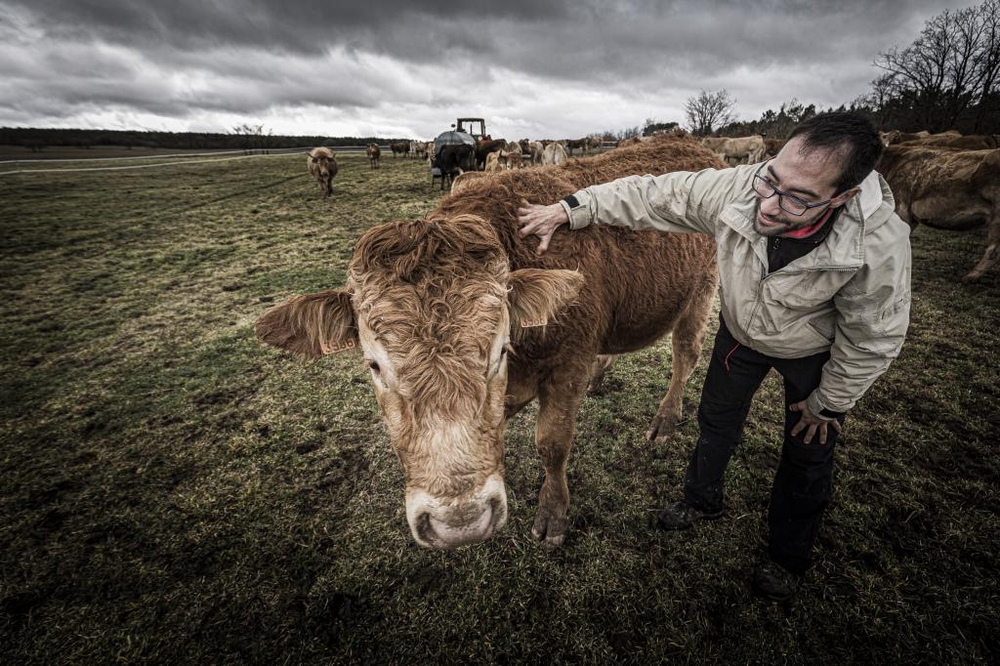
pixel 571 201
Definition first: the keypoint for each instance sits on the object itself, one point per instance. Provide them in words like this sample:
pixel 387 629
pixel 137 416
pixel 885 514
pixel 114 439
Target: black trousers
pixel 802 486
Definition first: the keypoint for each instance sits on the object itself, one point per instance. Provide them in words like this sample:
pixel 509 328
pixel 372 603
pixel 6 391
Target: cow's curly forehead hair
pixel 431 291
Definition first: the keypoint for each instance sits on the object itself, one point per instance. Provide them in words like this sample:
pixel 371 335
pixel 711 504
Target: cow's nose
pixel 437 522
pixel 449 533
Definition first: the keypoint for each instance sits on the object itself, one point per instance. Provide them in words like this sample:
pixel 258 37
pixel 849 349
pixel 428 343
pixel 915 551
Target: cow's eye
pixel 373 366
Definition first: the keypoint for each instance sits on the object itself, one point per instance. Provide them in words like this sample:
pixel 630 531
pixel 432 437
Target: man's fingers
pixel 544 245
pixel 810 433
pixel 836 426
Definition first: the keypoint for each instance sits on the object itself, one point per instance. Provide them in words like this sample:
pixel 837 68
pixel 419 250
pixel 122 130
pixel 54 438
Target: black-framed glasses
pixel 789 203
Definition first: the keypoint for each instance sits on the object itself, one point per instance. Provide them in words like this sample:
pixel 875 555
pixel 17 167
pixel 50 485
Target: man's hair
pixel 850 134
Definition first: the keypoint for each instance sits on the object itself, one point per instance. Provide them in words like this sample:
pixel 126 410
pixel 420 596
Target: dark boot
pixel 681 515
pixel 775 582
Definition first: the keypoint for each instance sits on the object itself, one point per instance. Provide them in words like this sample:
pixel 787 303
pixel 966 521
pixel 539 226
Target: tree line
pixel 243 137
pixel 946 79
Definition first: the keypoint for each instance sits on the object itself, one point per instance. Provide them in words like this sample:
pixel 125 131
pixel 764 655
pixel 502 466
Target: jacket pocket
pixel 823 328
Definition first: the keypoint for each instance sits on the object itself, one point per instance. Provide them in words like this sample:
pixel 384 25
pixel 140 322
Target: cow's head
pixel 435 312
pixel 322 164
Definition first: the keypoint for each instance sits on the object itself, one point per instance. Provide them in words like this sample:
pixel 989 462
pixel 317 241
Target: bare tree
pixel 708 111
pixel 952 66
pixel 253 137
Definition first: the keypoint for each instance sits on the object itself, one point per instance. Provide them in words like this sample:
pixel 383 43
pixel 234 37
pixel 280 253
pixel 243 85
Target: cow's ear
pixel 312 325
pixel 538 295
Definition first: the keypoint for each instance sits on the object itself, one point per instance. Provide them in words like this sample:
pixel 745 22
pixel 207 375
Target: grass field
pixel 172 492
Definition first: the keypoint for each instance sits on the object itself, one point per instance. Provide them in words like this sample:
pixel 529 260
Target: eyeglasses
pixel 789 203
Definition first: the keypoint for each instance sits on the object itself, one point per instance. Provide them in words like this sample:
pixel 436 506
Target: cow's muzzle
pixel 448 523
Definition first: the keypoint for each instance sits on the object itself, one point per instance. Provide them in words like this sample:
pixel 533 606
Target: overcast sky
pixel 408 68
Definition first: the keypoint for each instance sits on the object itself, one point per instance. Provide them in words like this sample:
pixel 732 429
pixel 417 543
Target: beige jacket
pixel 850 295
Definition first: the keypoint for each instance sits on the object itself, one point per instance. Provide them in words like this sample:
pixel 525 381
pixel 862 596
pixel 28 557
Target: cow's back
pixel 638 283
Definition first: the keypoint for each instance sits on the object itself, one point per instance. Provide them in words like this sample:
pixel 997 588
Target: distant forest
pixel 37 140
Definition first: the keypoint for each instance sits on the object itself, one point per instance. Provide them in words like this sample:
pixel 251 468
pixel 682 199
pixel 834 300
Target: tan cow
pixel 462 324
pixel 744 149
pixel 947 188
pixel 535 149
pixel 374 153
pixel 511 156
pixel 554 154
pixel 323 167
pixel 492 162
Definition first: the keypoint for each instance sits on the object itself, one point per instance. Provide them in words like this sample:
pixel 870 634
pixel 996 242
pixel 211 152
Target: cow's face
pixel 437 355
pixel 433 307
pixel 321 164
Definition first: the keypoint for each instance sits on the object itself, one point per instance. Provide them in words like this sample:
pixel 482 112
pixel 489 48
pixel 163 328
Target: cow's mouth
pixel 434 533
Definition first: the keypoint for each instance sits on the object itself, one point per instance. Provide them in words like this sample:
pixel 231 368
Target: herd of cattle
pixel 462 323
pixel 947 180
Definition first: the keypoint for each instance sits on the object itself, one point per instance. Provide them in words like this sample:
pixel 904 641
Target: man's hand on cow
pixel 812 423
pixel 541 221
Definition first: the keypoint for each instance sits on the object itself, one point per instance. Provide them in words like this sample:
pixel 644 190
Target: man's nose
pixel 770 206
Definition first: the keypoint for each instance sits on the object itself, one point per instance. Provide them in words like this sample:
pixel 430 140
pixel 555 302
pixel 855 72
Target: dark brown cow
pixel 574 144
pixel 947 189
pixel 401 148
pixel 323 167
pixel 462 324
pixel 454 160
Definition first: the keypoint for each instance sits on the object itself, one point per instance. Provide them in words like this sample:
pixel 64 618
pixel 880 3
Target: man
pixel 814 271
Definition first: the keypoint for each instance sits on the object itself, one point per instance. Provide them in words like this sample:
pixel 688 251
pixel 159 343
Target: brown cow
pixel 772 146
pixel 573 144
pixel 948 140
pixel 947 188
pixel 484 147
pixel 323 167
pixel 462 324
pixel 374 153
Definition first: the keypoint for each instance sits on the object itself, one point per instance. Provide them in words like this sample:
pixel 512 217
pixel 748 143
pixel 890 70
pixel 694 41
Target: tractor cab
pixel 475 127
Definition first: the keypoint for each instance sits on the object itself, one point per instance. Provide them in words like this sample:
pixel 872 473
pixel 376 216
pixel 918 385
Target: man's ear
pixel 844 197
pixel 538 295
pixel 312 325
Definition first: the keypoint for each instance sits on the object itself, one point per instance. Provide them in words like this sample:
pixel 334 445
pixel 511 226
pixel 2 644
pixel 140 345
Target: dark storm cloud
pixel 173 58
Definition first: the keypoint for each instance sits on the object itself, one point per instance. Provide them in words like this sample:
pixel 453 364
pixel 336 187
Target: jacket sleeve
pixel 681 201
pixel 873 315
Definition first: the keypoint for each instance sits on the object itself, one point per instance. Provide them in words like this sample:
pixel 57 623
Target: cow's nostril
pixel 424 529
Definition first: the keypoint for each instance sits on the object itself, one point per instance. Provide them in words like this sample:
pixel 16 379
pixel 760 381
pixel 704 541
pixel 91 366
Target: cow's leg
pixel 602 364
pixel 992 248
pixel 558 402
pixel 686 340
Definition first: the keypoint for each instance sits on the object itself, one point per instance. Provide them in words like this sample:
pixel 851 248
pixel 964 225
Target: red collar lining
pixel 805 232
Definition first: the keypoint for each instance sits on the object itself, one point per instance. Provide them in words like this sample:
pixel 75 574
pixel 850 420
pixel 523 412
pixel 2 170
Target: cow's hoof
pixel 661 430
pixel 550 531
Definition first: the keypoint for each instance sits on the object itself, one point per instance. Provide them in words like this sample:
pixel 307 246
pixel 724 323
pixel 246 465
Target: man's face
pixel 809 176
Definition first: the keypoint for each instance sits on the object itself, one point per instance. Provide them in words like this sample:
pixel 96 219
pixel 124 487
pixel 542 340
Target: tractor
pixel 464 130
